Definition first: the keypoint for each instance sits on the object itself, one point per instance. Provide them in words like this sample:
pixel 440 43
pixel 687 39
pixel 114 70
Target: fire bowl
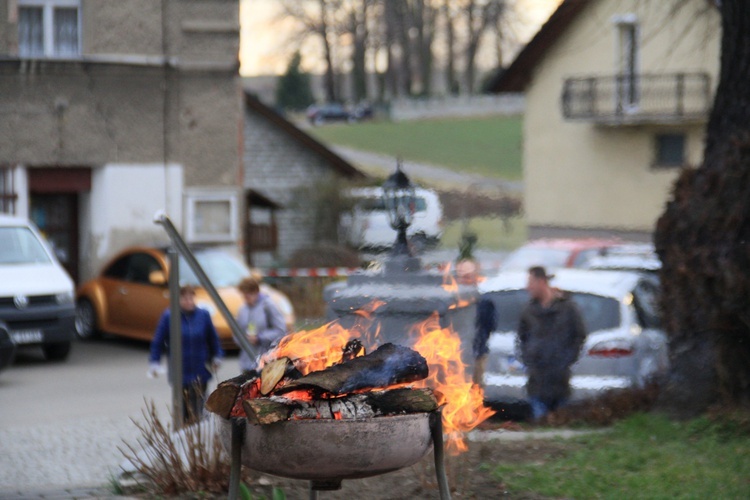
pixel 325 449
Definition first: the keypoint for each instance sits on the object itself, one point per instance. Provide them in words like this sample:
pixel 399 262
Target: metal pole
pixel 183 249
pixel 175 339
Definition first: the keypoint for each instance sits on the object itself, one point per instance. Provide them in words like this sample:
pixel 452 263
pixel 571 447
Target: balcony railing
pixel 638 99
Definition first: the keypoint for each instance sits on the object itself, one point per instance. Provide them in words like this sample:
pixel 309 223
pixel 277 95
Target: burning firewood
pixel 274 372
pixel 266 411
pixel 273 409
pixel 223 398
pixel 389 364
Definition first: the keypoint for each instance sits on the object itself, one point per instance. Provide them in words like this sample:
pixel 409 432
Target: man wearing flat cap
pixel 550 335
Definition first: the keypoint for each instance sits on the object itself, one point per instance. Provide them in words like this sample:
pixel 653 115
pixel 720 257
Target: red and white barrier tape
pixel 309 272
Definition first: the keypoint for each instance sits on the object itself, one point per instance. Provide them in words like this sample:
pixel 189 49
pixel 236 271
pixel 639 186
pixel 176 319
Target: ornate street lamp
pixel 398 196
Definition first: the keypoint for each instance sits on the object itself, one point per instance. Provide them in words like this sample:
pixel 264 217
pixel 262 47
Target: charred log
pixel 268 410
pixel 403 401
pixel 389 364
pixel 223 398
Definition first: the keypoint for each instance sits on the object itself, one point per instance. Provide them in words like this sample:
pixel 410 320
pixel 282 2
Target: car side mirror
pixel 157 278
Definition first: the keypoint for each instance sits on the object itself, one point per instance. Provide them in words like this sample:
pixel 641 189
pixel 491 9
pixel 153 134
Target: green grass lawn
pixel 645 456
pixel 491 233
pixel 489 146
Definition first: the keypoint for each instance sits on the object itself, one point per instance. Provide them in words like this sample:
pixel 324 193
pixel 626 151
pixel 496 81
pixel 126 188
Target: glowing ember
pixel 320 348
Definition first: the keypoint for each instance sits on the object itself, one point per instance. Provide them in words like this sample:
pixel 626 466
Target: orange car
pixel 130 294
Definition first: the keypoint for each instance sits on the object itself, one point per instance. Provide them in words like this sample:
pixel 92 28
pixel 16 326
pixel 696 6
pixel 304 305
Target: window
pixel 670 150
pixel 48 28
pixel 212 217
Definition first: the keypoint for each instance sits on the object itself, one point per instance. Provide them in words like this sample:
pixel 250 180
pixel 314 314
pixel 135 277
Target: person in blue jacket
pixel 201 352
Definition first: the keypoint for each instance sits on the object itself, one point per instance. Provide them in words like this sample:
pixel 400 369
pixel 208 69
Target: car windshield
pixel 19 245
pixel 526 257
pixel 221 268
pixel 599 313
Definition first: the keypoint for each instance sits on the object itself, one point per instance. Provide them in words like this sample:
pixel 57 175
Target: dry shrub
pixel 460 204
pixel 189 461
pixel 604 410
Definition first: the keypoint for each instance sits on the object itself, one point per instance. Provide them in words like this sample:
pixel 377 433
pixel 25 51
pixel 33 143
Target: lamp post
pixel 399 199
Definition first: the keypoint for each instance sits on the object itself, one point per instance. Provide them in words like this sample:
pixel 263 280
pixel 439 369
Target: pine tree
pixel 293 88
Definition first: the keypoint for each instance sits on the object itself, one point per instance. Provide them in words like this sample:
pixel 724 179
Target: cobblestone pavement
pixel 52 457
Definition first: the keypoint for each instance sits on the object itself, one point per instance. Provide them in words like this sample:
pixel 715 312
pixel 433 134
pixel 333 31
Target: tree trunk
pixel 451 84
pixel 329 80
pixel 702 239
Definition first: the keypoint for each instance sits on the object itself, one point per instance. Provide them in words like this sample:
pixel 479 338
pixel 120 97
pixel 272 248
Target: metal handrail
pixel 183 250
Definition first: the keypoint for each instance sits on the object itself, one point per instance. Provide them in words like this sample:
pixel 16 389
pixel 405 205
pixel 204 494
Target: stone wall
pixel 285 171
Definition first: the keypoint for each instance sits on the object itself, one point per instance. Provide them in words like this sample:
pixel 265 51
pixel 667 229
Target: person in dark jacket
pixel 551 333
pixel 201 351
pixel 485 324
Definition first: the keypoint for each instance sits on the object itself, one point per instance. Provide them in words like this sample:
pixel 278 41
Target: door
pixel 56 215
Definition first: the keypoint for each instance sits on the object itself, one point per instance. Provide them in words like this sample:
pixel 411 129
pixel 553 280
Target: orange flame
pixel 462 401
pixel 450 285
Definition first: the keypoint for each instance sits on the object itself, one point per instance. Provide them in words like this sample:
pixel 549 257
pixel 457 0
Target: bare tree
pixel 479 16
pixel 318 23
pixel 703 239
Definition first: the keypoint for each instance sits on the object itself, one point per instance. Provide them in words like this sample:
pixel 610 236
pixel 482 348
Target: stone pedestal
pixel 410 296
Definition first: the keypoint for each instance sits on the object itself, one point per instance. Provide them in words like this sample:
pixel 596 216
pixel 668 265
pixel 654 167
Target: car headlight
pixel 64 298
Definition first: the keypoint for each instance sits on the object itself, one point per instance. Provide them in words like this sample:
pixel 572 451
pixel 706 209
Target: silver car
pixel 625 346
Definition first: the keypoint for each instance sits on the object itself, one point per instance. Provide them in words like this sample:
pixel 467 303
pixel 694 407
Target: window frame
pixel 193 198
pixel 48 27
pixel 659 161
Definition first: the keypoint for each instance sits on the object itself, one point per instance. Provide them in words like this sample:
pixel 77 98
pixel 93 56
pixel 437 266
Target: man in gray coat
pixel 551 334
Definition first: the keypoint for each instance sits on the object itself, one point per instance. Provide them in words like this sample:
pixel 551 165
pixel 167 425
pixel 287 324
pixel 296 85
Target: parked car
pixel 36 293
pixel 626 257
pixel 367 225
pixel 130 294
pixel 555 253
pixel 625 345
pixel 332 112
pixel 7 348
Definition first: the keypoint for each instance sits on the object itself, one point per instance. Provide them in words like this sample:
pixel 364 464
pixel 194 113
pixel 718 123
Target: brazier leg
pixel 235 471
pixel 436 429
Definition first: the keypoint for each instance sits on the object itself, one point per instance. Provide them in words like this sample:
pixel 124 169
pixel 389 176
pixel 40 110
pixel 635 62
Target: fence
pixel 457 106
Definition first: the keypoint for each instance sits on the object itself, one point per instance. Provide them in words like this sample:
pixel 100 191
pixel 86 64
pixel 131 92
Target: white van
pixel 367 225
pixel 36 293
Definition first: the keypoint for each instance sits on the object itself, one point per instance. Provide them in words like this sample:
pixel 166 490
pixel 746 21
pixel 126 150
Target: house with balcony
pixel 618 94
pixel 112 111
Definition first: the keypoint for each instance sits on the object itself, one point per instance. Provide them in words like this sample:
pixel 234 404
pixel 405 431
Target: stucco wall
pixel 580 175
pixel 122 27
pixel 286 172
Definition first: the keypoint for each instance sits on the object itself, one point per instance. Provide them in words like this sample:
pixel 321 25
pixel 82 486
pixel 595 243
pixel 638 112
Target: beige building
pixel 112 110
pixel 618 94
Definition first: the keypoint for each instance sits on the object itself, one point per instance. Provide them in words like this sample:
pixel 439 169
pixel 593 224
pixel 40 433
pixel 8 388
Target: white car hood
pixel 505 342
pixel 34 279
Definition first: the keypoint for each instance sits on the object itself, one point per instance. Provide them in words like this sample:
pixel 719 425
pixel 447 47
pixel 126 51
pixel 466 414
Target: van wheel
pixel 56 351
pixel 86 320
